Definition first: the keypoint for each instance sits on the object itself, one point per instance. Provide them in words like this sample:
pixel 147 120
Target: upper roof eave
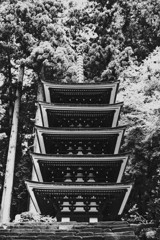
pixel 82 86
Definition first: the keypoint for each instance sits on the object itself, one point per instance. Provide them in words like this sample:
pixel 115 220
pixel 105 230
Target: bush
pixel 30 217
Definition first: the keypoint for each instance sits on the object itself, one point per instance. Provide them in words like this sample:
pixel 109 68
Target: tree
pixel 141 26
pixel 9 173
pixel 140 89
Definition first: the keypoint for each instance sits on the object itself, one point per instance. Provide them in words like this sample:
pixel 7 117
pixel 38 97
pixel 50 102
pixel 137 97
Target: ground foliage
pixel 29 217
pixel 118 39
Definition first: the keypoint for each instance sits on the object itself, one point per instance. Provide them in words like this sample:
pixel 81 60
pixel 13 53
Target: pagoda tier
pixel 79 117
pixel 87 169
pixel 77 202
pixel 79 141
pixel 103 93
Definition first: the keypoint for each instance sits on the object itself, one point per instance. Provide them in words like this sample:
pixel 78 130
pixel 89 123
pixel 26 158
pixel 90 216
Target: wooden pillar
pixel 10 164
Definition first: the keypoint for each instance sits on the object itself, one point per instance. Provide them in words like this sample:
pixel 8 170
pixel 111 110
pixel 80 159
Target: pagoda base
pixel 77 202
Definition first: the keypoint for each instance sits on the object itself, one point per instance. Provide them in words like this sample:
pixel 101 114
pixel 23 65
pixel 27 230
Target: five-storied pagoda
pixel 76 160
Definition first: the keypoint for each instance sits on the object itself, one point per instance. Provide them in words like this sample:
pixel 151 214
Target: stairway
pixel 68 231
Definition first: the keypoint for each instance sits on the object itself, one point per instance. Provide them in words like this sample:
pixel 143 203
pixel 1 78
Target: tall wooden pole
pixel 10 164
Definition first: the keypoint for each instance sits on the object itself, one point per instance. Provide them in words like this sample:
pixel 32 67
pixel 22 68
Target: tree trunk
pixel 9 174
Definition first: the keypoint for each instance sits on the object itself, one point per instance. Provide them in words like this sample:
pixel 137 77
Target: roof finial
pixel 80 65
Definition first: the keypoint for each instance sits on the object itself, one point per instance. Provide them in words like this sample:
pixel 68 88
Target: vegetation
pixel 120 40
pixel 29 217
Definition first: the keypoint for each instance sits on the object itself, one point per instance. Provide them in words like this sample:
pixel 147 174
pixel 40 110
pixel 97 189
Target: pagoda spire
pixel 80 65
pixel 80 68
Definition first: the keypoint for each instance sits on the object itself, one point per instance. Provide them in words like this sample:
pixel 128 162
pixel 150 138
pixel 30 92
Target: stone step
pixel 91 237
pixel 121 229
pixel 87 236
pixel 6 237
pixel 68 231
pixel 43 233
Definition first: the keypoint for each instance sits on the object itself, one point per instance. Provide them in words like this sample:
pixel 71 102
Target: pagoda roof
pixel 58 115
pixel 104 201
pixel 52 167
pixel 81 93
pixel 81 131
pixel 59 141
